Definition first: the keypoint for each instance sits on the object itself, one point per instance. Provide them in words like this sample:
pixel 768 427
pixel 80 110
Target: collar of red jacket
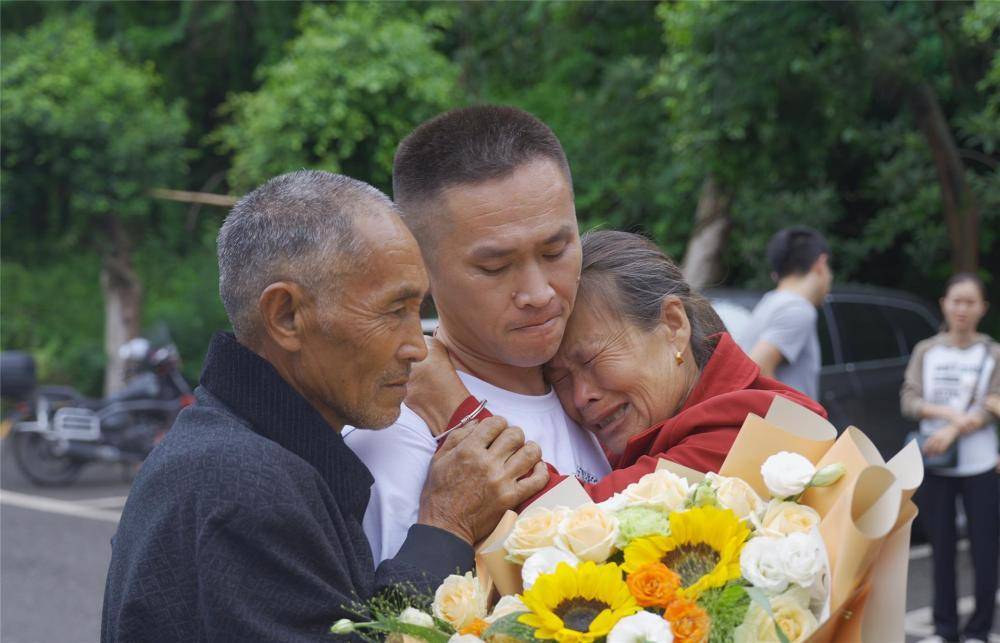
pixel 729 388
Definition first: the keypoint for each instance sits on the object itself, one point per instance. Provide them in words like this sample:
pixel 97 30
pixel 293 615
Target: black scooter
pixel 55 431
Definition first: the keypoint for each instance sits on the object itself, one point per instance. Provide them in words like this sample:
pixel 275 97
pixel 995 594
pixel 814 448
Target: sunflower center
pixel 578 613
pixel 691 561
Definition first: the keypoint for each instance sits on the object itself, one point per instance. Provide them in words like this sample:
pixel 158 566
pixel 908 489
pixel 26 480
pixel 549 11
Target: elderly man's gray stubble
pixel 298 227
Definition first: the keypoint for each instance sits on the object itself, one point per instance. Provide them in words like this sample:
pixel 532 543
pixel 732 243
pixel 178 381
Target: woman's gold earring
pixel 679 358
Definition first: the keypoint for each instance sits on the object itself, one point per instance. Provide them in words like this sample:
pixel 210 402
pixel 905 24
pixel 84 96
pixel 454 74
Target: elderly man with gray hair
pixel 245 523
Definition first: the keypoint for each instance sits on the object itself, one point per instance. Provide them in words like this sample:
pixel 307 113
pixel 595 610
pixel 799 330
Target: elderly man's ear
pixel 674 321
pixel 283 309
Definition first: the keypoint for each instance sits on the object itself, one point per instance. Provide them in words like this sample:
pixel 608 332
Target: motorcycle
pixel 55 431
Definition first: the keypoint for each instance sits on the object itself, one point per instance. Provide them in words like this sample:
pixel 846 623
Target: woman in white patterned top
pixel 951 383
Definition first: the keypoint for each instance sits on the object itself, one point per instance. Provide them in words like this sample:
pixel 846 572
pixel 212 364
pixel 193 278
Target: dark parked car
pixel 866 335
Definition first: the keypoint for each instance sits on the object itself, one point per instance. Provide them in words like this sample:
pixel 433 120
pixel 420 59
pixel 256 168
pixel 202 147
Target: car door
pixel 875 358
pixel 836 384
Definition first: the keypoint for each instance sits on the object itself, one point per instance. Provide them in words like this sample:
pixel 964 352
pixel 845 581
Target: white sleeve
pixel 398 458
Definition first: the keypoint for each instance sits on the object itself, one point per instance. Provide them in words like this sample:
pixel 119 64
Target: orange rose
pixel 476 628
pixel 689 622
pixel 653 585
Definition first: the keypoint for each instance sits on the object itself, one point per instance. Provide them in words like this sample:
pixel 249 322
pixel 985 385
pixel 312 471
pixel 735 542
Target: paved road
pixel 55 547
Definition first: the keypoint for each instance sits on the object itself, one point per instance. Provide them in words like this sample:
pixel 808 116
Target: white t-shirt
pixel 399 456
pixel 951 376
pixel 787 320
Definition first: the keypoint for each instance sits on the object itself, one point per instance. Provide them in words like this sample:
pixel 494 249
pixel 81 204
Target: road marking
pixel 111 502
pixel 920 622
pixel 53 506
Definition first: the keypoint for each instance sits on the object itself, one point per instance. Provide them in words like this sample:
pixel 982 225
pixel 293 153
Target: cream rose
pixel 782 518
pixel 544 561
pixel 787 474
pixel 589 533
pixel 661 489
pixel 535 529
pixel 791 613
pixel 510 604
pixel 460 600
pixel 736 494
pixel 761 564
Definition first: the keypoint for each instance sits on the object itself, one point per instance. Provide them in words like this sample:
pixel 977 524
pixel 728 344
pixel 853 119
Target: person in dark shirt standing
pixel 245 522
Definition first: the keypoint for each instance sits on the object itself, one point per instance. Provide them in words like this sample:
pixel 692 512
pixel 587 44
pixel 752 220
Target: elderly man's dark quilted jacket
pixel 244 524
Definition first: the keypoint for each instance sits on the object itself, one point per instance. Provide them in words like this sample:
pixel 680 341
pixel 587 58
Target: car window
pixel 865 332
pixel 825 341
pixel 911 325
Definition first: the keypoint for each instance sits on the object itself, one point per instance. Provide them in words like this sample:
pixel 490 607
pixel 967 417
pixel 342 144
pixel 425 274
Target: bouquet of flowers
pixel 682 556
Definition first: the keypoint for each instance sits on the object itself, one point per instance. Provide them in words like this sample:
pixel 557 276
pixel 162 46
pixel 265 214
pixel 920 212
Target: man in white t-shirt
pixel 781 334
pixel 488 194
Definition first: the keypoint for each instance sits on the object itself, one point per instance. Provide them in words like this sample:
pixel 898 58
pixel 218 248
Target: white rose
pixel 736 494
pixel 510 604
pixel 614 504
pixel 782 518
pixel 464 638
pixel 791 613
pixel 589 533
pixel 661 489
pixel 413 616
pixel 641 627
pixel 787 474
pixel 762 565
pixel 544 561
pixel 460 600
pixel 802 558
pixel 535 529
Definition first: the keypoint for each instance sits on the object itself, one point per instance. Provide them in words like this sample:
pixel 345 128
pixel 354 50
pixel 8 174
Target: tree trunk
pixel 961 212
pixel 122 301
pixel 703 258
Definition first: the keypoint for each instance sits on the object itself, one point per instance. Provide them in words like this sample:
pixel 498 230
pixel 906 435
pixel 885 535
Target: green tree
pixel 85 137
pixel 356 80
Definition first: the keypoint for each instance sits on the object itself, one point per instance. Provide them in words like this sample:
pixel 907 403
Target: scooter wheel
pixel 39 464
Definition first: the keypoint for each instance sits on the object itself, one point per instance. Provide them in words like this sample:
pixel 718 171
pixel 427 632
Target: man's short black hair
pixel 794 250
pixel 468 145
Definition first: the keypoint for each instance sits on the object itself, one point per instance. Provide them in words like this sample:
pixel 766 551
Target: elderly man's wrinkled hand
pixel 481 471
pixel 435 390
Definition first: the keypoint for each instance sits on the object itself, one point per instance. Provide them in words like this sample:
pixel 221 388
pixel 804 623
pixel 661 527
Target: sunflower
pixel 578 604
pixel 703 548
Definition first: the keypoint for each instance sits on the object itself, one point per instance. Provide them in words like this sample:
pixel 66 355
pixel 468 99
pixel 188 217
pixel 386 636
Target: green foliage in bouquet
pixel 508 627
pixel 726 606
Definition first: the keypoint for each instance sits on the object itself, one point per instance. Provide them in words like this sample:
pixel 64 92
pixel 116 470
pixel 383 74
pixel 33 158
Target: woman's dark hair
pixel 634 276
pixel 961 278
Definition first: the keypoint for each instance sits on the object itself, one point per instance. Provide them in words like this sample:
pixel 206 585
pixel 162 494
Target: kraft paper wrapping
pixel 886 605
pixel 800 431
pixel 492 569
pixel 491 557
pixel 691 475
pixel 856 452
pixel 855 528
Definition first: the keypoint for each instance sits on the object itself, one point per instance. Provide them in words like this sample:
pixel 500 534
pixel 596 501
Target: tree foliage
pixel 799 112
pixel 356 79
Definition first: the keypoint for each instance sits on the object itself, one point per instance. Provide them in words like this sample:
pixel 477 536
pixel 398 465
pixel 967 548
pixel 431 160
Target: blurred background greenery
pixel 876 122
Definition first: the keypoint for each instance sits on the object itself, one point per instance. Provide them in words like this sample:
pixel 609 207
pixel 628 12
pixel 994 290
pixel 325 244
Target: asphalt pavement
pixel 55 547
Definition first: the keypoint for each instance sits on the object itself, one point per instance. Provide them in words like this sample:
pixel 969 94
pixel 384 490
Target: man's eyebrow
pixel 484 253
pixel 407 292
pixel 559 235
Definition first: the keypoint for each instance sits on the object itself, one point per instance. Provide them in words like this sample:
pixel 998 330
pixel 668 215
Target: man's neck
pixel 801 286
pixel 524 380
pixel 280 360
